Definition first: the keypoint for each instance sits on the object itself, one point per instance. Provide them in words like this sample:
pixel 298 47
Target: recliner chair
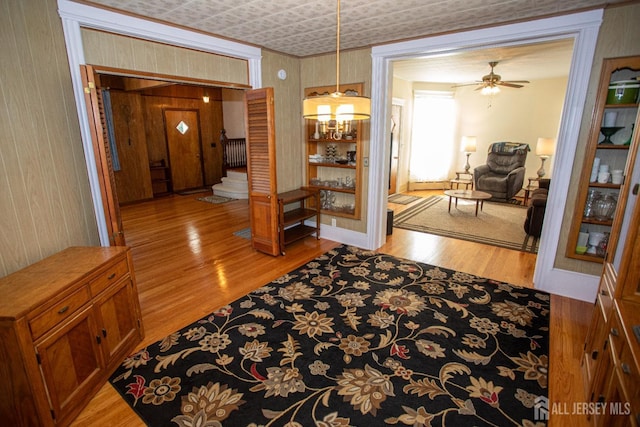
pixel 503 174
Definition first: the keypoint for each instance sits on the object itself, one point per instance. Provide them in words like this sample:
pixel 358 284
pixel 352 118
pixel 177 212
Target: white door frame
pixel 583 29
pixel 75 16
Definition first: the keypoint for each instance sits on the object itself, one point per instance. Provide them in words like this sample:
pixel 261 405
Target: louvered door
pixel 261 170
pixel 97 123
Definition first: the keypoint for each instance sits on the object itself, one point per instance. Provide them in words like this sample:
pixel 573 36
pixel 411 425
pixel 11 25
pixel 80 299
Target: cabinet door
pixel 71 360
pixel 117 321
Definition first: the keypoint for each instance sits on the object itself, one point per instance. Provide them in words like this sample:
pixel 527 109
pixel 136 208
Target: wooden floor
pixel 188 263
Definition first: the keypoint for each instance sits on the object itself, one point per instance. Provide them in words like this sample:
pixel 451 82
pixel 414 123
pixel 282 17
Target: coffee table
pixel 478 196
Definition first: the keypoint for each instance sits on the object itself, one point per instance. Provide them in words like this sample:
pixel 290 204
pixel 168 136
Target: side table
pixel 529 188
pixel 462 178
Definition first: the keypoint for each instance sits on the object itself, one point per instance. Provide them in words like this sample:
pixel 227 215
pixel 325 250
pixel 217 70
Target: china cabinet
pixel 609 158
pixel 334 159
pixel 66 323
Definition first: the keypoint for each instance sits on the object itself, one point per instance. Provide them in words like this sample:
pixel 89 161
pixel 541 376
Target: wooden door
pixel 261 170
pixel 182 130
pixel 102 154
pixel 396 111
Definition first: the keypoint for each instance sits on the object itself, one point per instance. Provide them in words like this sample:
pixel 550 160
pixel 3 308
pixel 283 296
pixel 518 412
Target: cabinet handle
pixel 98 339
pixel 104 332
pixel 111 276
pixel 594 354
pixel 635 189
pixel 625 368
pixel 603 292
pixel 63 309
pixel 614 332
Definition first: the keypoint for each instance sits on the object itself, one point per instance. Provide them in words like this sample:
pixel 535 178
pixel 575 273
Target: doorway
pixel 583 29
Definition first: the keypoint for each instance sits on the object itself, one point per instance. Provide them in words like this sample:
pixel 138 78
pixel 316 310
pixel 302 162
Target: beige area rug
pixel 498 224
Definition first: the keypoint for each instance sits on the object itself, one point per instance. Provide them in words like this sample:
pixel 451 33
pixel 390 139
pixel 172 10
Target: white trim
pixel 74 16
pixel 347 237
pixel 583 28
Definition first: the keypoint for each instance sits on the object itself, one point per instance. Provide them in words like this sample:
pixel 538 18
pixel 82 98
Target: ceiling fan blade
pixel 467 84
pixel 516 81
pixel 509 84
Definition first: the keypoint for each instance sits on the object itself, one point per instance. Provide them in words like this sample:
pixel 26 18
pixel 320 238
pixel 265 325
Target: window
pixel 432 136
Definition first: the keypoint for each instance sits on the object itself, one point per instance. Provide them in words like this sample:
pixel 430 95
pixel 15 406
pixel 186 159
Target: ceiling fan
pixel 490 82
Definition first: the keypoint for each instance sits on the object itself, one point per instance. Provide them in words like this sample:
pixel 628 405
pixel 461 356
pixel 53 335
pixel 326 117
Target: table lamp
pixel 544 149
pixel 468 146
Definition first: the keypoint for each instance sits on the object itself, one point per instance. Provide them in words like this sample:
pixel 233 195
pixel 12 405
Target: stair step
pixel 241 176
pixel 235 184
pixel 225 191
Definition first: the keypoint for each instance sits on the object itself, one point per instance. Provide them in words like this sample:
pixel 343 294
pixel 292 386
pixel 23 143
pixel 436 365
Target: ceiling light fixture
pixel 337 106
pixel 490 90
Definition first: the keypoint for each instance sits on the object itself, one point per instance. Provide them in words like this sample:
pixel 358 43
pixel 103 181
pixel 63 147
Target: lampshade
pixel 545 147
pixel 337 105
pixel 469 144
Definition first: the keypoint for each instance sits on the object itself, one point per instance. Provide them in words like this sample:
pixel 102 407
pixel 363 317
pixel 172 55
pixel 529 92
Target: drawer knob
pixel 603 292
pixel 625 368
pixel 63 309
pixel 111 276
pixel 614 332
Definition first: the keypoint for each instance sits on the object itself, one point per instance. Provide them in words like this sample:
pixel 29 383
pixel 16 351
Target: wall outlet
pixel 365 161
pixel 333 222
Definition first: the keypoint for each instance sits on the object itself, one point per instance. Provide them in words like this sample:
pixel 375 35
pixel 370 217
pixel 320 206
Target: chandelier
pixel 336 106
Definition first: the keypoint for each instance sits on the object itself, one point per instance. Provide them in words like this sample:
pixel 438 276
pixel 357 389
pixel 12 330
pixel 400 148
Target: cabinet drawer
pixel 111 275
pixel 59 312
pixel 630 379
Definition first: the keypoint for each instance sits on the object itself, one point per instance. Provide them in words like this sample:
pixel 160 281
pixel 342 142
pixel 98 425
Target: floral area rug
pixel 352 338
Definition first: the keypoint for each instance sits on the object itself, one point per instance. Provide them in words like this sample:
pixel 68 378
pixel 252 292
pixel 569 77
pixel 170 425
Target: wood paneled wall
pixel 140 132
pixel 112 50
pixel 45 200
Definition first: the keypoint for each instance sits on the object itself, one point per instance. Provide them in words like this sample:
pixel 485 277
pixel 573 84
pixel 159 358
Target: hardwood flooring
pixel 188 263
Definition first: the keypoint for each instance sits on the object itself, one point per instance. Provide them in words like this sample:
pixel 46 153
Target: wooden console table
pixel 291 222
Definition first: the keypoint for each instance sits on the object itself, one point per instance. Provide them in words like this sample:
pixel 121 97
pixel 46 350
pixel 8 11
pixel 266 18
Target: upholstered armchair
pixel 503 174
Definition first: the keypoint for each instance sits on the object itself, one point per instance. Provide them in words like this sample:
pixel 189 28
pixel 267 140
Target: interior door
pixel 102 154
pixel 396 112
pixel 261 170
pixel 182 130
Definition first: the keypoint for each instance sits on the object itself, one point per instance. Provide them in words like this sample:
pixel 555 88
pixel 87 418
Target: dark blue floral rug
pixel 352 338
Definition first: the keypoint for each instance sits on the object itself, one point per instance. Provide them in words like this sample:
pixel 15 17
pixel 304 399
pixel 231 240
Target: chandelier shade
pixel 336 106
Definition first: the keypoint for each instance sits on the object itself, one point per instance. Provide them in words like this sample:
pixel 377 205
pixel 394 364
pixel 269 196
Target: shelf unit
pixel 618 155
pixel 291 220
pixel 160 178
pixel 339 181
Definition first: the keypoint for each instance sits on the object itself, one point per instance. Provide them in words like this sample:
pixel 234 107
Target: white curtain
pixel 432 136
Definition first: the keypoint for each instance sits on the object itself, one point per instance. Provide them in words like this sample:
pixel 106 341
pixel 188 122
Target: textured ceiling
pixel 308 27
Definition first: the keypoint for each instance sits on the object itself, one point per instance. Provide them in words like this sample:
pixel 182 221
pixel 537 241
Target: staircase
pixel 234 185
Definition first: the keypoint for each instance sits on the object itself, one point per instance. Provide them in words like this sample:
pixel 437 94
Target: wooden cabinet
pixel 611 359
pixel 334 159
pixel 66 323
pixel 612 144
pixel 294 208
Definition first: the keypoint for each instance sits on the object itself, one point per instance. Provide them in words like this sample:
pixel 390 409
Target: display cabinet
pixel 334 159
pixel 609 158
